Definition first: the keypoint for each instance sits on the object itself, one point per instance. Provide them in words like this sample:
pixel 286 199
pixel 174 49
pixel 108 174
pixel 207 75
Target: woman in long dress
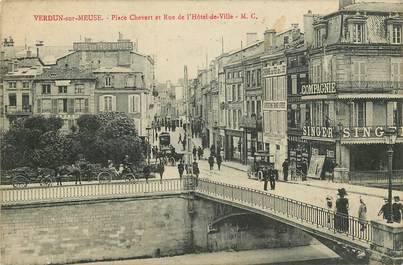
pixel 341 217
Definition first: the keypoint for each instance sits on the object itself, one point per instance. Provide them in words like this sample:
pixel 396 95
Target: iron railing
pixel 298 211
pixel 375 177
pixel 93 190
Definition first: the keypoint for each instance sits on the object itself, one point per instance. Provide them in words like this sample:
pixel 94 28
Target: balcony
pixel 18 111
pixel 369 86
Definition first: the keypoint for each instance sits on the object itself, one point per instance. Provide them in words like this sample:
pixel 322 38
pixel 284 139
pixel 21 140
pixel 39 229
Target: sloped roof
pixel 24 71
pixel 56 73
pixel 375 7
pixel 115 69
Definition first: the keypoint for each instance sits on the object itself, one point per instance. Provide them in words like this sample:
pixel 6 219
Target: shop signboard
pixel 317 131
pixel 316 166
pixel 319 89
pixel 368 132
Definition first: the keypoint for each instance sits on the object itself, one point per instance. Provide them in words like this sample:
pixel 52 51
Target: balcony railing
pixel 14 110
pixel 369 86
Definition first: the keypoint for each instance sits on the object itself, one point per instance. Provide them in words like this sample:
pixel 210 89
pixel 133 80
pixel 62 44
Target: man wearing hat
pixel 385 209
pixel 397 210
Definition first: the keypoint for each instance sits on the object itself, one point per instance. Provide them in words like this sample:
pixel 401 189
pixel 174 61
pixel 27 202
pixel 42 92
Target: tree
pixel 108 136
pixel 35 141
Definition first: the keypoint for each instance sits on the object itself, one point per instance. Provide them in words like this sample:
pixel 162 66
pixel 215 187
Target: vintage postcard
pixel 201 132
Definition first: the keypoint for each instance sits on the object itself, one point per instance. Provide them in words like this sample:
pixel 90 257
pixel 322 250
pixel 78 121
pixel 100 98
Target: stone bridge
pixel 381 243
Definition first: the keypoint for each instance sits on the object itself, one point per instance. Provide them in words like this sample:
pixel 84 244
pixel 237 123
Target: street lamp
pixel 390 135
pixel 148 145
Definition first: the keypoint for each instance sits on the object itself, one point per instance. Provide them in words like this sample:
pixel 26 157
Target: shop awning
pixel 368 141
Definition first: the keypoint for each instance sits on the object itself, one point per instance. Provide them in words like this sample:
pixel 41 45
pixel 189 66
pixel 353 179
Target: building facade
pixel 355 85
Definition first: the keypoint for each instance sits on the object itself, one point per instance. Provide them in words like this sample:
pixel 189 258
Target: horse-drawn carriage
pixel 168 155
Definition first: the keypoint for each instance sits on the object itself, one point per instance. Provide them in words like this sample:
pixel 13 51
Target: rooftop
pixel 55 73
pixel 116 69
pixel 375 7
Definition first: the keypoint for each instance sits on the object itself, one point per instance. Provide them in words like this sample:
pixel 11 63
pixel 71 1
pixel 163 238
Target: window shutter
pixel 113 103
pixel 130 104
pixel 39 102
pixel 101 103
pixel 137 103
pixel 86 107
pixel 54 106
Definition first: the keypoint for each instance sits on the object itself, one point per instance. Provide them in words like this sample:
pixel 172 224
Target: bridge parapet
pixel 387 243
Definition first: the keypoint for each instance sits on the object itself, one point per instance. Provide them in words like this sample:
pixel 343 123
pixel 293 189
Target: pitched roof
pixel 375 7
pixel 56 73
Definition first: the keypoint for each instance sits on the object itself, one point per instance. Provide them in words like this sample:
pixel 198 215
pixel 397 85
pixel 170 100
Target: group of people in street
pixel 291 167
pixel 269 175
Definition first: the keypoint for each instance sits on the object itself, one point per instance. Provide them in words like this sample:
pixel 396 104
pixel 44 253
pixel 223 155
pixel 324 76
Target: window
pixel 229 93
pixel 248 107
pixel 248 79
pixel 79 89
pixel 359 71
pixel 12 84
pixel 360 113
pixel 62 89
pixel 107 103
pixel 234 93
pixel 134 104
pixel 318 38
pixel 358 33
pixel 79 105
pixel 269 95
pixel 240 73
pixel 396 34
pixel 62 105
pixel 240 96
pixel 46 105
pixel 285 39
pixel 253 107
pixel 259 77
pixel 12 100
pixel 25 84
pixel 294 84
pixel 258 108
pixel 46 89
pixel 108 81
pixel 253 77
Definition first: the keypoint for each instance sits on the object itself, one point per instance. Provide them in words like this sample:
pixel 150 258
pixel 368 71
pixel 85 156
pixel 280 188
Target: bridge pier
pixel 387 245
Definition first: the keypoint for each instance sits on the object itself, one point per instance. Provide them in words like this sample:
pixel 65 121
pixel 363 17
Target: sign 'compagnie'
pixel 319 89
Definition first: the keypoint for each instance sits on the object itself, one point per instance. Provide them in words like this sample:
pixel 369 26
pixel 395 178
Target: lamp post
pixel 390 136
pixel 148 144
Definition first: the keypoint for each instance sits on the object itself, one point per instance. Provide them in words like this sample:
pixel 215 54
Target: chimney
pixel 308 28
pixel 269 39
pixel 29 53
pixel 344 3
pixel 251 37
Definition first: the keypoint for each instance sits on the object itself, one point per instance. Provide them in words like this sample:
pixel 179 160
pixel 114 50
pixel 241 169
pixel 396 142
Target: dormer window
pixel 358 32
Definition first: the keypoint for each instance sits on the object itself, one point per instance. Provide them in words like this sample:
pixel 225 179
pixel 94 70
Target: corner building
pixel 357 53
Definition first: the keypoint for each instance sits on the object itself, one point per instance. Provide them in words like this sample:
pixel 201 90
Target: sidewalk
pixel 324 184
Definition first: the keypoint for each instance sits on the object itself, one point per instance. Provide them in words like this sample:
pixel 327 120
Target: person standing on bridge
pixel 161 169
pixel 385 209
pixel 265 177
pixel 341 218
pixel 219 161
pixel 285 169
pixel 362 215
pixel 181 168
pixel 200 152
pixel 397 210
pixel 272 176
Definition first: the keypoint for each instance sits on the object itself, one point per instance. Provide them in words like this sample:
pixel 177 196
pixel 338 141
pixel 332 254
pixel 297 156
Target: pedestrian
pixel 385 209
pixel 212 150
pixel 146 172
pixel 272 177
pixel 200 153
pixel 180 139
pixel 362 215
pixel 304 170
pixel 181 168
pixel 76 173
pixel 332 166
pixel 265 177
pixel 219 160
pixel 156 135
pixel 196 171
pixel 59 171
pixel 194 151
pixel 329 206
pixel 285 169
pixel 341 218
pixel 161 169
pixel 211 161
pixel 397 210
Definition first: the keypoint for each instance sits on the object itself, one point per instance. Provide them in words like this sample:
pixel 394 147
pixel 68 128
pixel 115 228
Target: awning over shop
pixel 368 141
pixel 369 96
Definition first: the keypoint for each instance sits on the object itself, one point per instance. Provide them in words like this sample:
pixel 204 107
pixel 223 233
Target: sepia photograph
pixel 201 132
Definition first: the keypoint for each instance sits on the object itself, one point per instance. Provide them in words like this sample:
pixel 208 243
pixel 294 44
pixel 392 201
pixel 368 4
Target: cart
pixel 260 161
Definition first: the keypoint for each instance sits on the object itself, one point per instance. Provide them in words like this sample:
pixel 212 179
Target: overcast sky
pixel 173 43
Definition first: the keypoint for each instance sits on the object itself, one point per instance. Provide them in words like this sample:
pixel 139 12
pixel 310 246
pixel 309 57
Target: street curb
pixel 316 186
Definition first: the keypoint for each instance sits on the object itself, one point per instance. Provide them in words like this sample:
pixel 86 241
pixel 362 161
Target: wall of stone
pixel 113 229
pixel 243 232
pixel 65 232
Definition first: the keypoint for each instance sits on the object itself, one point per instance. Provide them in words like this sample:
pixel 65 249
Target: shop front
pixel 298 151
pixel 233 145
